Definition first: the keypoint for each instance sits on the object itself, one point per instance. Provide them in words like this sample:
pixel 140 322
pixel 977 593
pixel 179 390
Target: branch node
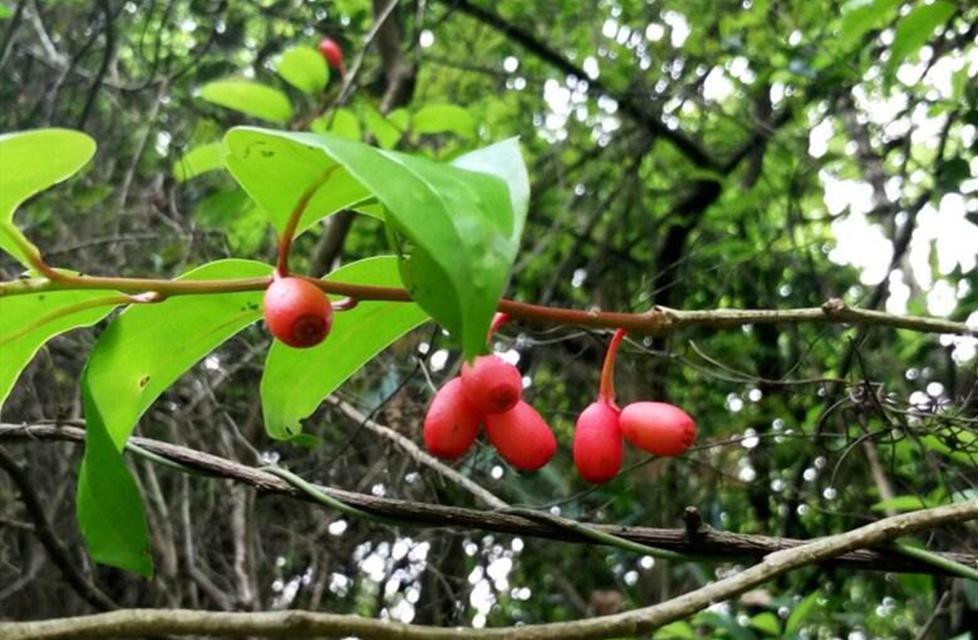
pixel 833 306
pixel 694 523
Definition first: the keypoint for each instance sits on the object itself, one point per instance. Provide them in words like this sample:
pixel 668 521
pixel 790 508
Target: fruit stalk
pixel 606 390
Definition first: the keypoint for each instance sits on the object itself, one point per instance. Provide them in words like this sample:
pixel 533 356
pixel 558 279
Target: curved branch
pixel 134 622
pixel 719 545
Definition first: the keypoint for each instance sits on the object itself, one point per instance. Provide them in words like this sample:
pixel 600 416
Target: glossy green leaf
pixel 439 118
pixel 145 349
pixel 385 132
pixel 504 160
pixel 30 162
pixel 248 97
pixel 800 612
pixel 766 623
pixel 303 68
pixel 295 381
pixel 137 358
pixel 915 29
pixel 900 504
pixel 5 12
pixel 30 320
pixel 276 171
pixel 108 505
pixel 459 229
pixel 342 122
pixel 200 159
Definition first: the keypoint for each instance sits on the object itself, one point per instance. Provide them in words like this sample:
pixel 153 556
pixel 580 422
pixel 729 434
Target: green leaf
pixel 277 171
pixel 303 68
pixel 343 123
pixel 233 212
pixel 220 209
pixel 504 160
pixel 439 118
pixel 675 631
pixel 145 349
pixel 108 505
pixel 861 17
pixel 251 98
pixel 30 320
pixel 458 229
pixel 295 381
pixel 800 612
pixel 767 623
pixel 200 159
pixel 400 118
pixel 386 133
pixel 899 504
pixel 959 449
pixel 136 358
pixel 30 162
pixel 5 12
pixel 915 29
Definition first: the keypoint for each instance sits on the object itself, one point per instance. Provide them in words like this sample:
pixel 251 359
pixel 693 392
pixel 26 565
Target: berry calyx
pixel 521 437
pixel 598 447
pixel 491 384
pixel 297 312
pixel 658 427
pixel 451 424
pixel 332 52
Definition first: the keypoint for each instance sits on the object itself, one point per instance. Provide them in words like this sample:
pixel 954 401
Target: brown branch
pixel 45 534
pixel 133 622
pixel 708 542
pixel 657 321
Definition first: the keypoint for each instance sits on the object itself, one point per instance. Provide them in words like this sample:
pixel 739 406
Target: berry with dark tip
pixel 491 384
pixel 297 312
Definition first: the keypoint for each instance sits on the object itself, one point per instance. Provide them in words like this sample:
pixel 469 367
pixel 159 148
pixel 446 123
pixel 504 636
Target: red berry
pixel 451 424
pixel 658 427
pixel 521 437
pixel 332 52
pixel 297 312
pixel 491 384
pixel 597 443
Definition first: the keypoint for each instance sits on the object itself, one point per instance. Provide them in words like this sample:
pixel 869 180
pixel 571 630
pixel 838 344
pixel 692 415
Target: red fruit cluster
pixel 488 392
pixel 657 427
pixel 297 312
